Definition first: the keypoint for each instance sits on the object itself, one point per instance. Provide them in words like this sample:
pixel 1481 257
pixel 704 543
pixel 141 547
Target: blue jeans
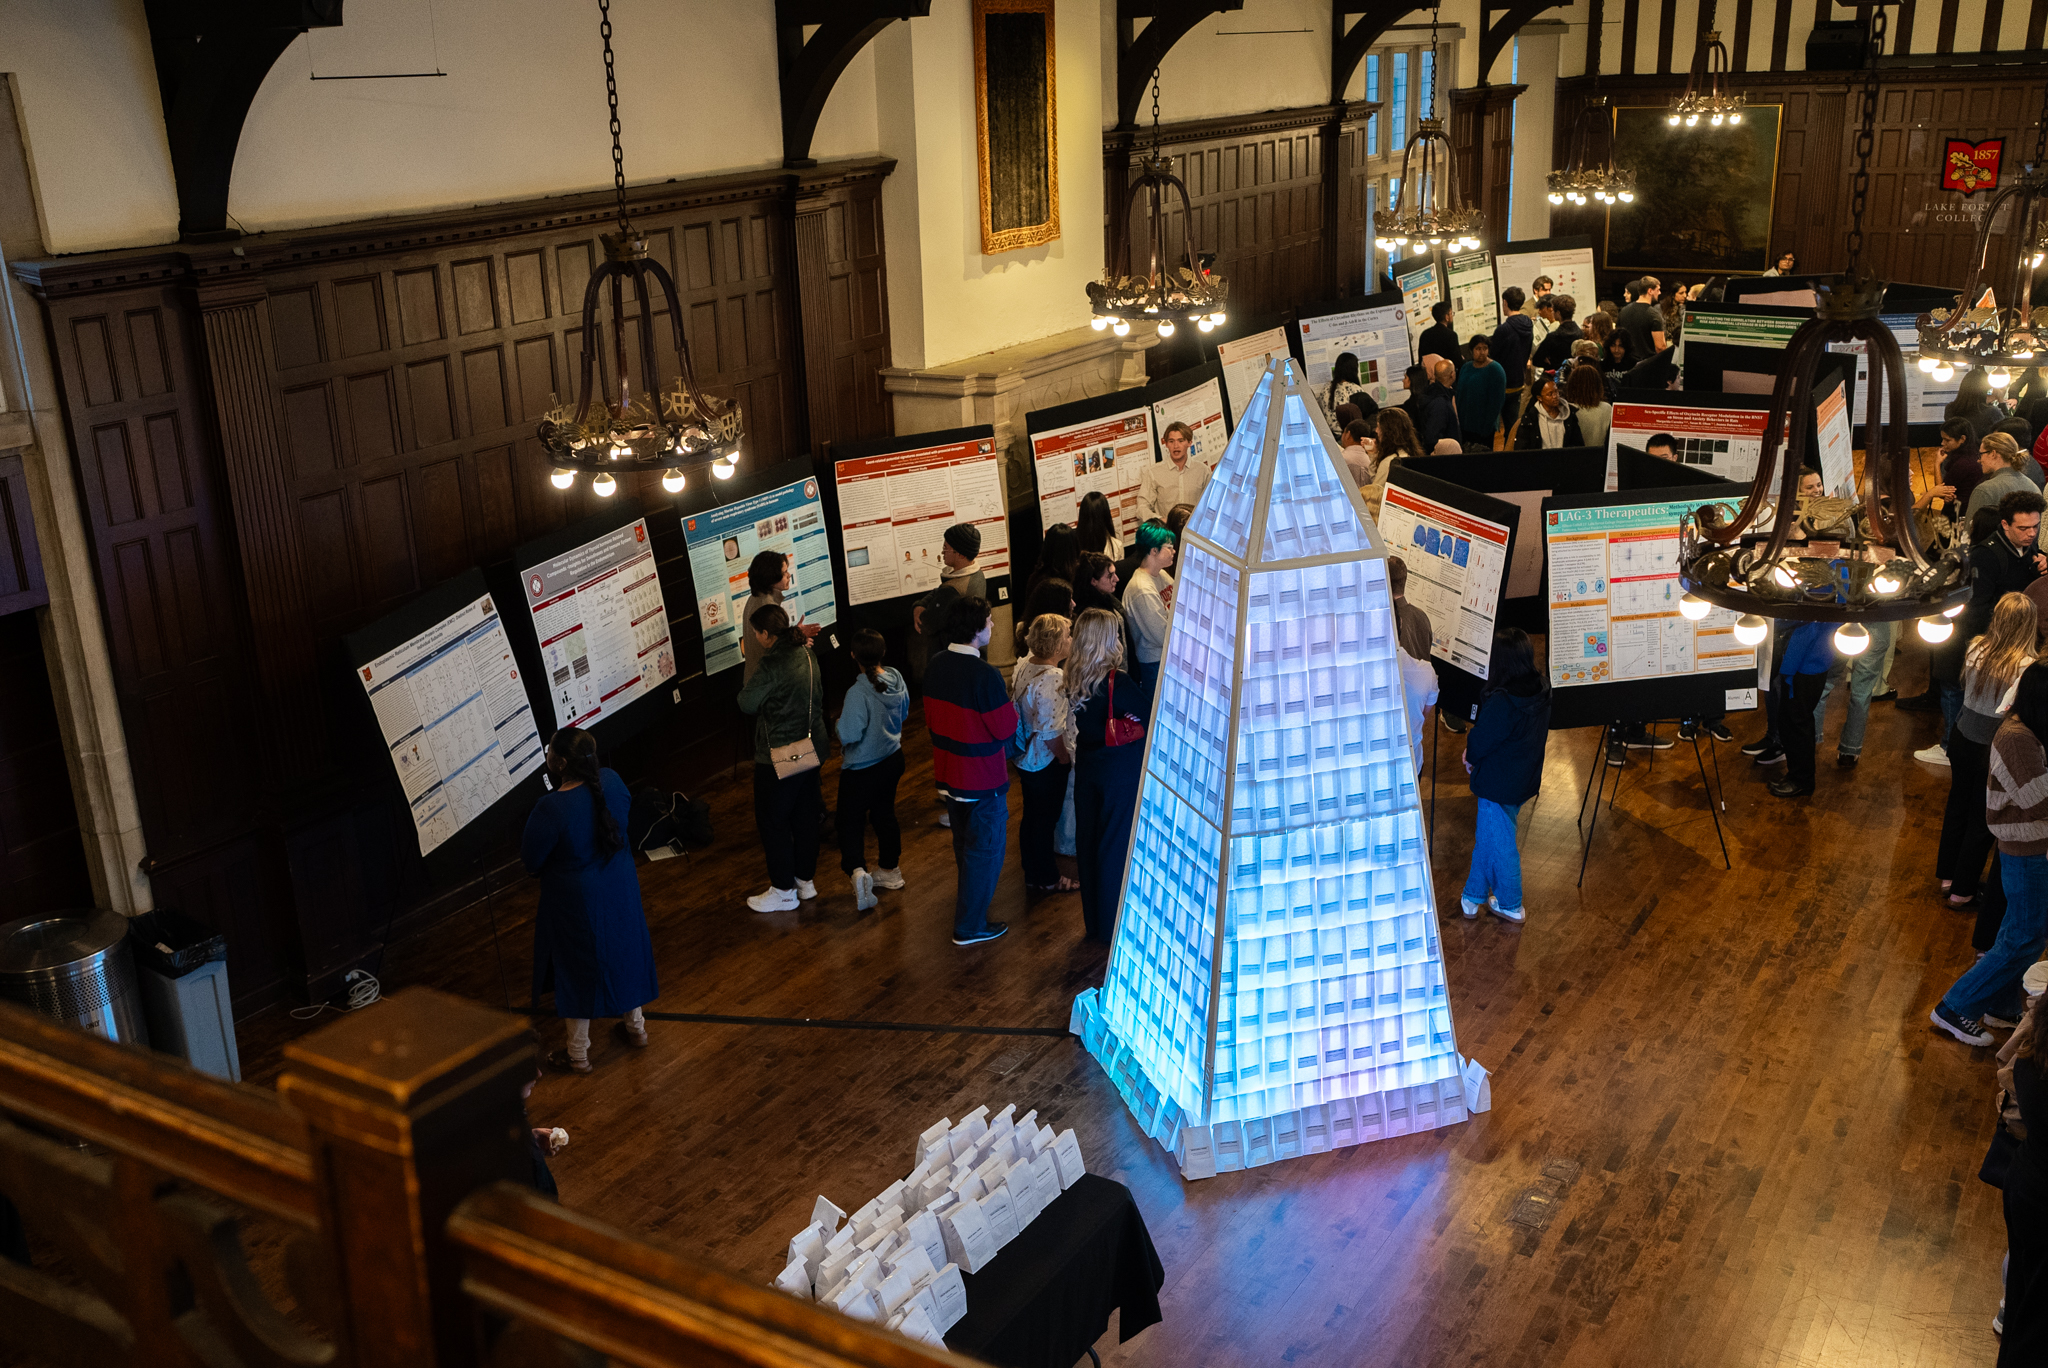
pixel 1951 709
pixel 981 837
pixel 1866 675
pixel 1994 981
pixel 1496 864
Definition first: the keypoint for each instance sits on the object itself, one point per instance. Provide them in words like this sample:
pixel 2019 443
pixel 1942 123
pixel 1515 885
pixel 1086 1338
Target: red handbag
pixel 1120 731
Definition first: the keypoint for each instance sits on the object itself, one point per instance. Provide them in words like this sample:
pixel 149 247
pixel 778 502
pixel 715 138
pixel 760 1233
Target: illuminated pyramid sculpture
pixel 1276 987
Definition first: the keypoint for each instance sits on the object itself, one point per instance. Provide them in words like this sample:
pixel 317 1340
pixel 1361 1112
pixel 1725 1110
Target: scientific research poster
pixel 455 719
pixel 1244 362
pixel 1835 454
pixel 1377 336
pixel 1456 563
pixel 1726 440
pixel 1926 397
pixel 1108 453
pixel 1568 261
pixel 895 507
pixel 1418 291
pixel 1469 282
pixel 1614 596
pixel 723 543
pixel 601 623
pixel 1201 408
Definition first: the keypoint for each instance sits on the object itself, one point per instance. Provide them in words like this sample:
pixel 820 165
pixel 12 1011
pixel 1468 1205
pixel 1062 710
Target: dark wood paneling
pixel 21 563
pixel 1913 231
pixel 284 441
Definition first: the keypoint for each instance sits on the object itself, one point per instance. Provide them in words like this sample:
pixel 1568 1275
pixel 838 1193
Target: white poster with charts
pixel 1244 361
pixel 455 719
pixel 1105 455
pixel 602 625
pixel 1614 595
pixel 894 509
pixel 1378 338
pixel 1456 563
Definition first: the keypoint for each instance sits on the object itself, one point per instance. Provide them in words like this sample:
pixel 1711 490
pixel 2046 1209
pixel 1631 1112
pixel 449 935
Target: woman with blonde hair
pixel 1991 665
pixel 1106 717
pixel 1396 440
pixel 1036 689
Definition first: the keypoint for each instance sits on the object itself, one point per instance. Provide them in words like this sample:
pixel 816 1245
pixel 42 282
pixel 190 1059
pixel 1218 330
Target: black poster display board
pixel 448 703
pixel 1619 647
pixel 1458 545
pixel 593 625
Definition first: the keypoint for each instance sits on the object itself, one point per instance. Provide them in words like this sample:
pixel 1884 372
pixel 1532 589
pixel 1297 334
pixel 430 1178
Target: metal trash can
pixel 182 969
pixel 74 966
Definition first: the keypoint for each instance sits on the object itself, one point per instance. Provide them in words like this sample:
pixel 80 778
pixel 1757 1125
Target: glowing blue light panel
pixel 1276 986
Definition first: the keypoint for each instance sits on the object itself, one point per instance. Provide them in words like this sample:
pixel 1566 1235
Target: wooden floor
pixel 1775 1156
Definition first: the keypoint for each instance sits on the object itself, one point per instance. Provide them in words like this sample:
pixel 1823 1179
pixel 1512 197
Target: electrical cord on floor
pixel 363 989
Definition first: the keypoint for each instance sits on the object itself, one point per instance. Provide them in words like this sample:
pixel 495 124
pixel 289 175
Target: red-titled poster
pixel 1968 167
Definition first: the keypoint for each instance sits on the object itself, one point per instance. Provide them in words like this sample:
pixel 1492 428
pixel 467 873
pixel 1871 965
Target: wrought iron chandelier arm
pixel 1897 457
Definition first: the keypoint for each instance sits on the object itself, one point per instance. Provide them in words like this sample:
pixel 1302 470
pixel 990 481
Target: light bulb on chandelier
pixel 1694 607
pixel 1936 630
pixel 1751 629
pixel 1852 638
pixel 723 469
pixel 604 486
pixel 562 478
pixel 672 481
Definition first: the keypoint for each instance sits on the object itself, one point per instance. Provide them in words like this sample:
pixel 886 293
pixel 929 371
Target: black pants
pixel 869 795
pixel 787 812
pixel 1105 802
pixel 1800 696
pixel 1045 797
pixel 1965 839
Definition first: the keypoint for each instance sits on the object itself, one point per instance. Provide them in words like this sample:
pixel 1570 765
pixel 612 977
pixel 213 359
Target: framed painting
pixel 1016 123
pixel 1704 195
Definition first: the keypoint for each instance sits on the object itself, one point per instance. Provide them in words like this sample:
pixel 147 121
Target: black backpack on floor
pixel 675 820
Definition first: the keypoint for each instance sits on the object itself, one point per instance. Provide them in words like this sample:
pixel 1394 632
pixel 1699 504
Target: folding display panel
pixel 1276 987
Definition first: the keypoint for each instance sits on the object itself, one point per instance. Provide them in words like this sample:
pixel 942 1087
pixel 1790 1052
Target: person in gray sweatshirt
pixel 871 765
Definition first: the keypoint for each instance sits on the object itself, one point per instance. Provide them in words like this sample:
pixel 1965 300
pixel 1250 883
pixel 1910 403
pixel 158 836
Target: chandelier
pixel 1886 564
pixel 1578 182
pixel 2006 331
pixel 1706 86
pixel 1177 286
pixel 1440 218
pixel 670 428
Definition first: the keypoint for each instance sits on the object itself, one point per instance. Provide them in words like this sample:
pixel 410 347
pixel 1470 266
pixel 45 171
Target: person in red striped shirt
pixel 968 711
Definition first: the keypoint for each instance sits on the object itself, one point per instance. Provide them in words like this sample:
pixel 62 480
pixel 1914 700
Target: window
pixel 1428 70
pixel 1397 122
pixel 1372 92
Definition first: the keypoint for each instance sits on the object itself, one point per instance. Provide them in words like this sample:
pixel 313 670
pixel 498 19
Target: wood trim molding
pixel 1127 140
pixel 123 269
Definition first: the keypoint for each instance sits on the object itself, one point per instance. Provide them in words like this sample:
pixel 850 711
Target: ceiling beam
pixel 810 67
pixel 1140 55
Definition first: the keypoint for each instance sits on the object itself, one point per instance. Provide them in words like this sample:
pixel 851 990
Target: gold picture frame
pixel 1016 133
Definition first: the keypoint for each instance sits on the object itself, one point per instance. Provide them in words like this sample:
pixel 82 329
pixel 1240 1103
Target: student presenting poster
pixel 1106 454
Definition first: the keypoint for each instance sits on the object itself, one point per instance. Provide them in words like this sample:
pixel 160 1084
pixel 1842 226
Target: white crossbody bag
pixel 800 756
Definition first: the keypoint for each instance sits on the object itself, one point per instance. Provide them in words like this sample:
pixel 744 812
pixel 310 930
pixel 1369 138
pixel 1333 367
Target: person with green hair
pixel 1148 599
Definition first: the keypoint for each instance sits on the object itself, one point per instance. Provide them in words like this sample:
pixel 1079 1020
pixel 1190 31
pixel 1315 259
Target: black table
pixel 1045 1299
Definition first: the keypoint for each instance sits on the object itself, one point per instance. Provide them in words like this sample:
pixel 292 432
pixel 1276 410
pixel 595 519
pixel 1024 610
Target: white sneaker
pixel 806 890
pixel 1471 909
pixel 774 900
pixel 863 890
pixel 888 878
pixel 946 819
pixel 1513 914
pixel 1933 755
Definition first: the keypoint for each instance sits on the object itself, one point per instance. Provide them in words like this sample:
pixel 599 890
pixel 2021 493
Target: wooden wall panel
pixel 284 441
pixel 21 563
pixel 1913 231
pixel 42 858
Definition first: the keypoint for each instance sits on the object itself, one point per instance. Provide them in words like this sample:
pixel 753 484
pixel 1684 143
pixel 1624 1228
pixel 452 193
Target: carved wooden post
pixel 411 1105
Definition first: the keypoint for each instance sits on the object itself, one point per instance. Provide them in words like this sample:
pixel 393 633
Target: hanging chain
pixel 1155 111
pixel 1435 56
pixel 1859 184
pixel 2041 134
pixel 611 95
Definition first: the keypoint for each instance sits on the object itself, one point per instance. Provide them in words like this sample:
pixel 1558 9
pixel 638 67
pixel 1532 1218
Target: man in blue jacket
pixel 1481 389
pixel 1513 341
pixel 1809 655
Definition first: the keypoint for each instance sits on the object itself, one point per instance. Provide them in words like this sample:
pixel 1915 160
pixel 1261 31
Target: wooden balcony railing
pixel 384 1175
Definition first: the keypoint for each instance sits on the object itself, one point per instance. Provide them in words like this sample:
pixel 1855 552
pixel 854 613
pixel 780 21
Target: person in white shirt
pixel 1178 479
pixel 1413 632
pixel 1148 599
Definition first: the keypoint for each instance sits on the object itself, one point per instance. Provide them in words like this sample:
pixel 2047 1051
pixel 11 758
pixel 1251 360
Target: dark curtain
pixel 1019 178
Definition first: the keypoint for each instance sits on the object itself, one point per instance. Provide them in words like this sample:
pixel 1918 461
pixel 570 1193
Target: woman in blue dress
pixel 590 942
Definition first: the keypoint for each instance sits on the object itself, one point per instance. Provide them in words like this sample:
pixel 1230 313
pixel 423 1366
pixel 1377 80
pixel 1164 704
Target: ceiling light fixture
pixel 1177 286
pixel 1440 219
pixel 1707 95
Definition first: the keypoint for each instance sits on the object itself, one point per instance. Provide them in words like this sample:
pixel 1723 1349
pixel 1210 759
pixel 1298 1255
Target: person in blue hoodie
pixel 1802 675
pixel 871 731
pixel 1504 756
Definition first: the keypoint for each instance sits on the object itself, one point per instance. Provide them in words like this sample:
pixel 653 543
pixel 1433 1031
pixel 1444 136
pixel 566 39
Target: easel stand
pixel 1596 786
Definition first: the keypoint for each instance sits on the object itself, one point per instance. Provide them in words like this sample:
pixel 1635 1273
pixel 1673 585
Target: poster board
pixel 451 710
pixel 1457 544
pixel 1926 397
pixel 1194 397
pixel 1467 283
pixel 1092 444
pixel 598 618
pixel 1619 647
pixel 1720 434
pixel 1735 349
pixel 898 497
pixel 1373 329
pixel 1834 445
pixel 1568 261
pixel 1244 360
pixel 723 541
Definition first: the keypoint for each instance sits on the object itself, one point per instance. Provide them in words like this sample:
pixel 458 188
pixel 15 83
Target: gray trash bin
pixel 182 967
pixel 74 966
